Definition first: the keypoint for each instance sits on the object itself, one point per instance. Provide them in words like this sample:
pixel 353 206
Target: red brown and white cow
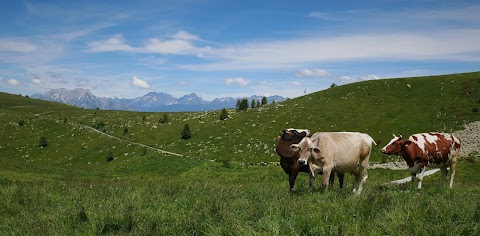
pixel 340 152
pixel 436 150
pixel 288 157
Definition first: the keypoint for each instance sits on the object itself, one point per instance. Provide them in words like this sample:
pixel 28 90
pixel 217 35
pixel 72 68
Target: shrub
pixel 100 126
pixel 42 142
pixel 264 101
pixel 224 114
pixel 21 123
pixel 242 104
pixel 164 119
pixel 186 132
pixel 125 130
pixel 109 156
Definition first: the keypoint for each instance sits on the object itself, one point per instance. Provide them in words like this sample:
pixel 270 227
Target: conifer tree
pixel 186 132
pixel 224 114
pixel 264 101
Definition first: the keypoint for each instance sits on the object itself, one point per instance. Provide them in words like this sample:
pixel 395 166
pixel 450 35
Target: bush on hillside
pixel 109 156
pixel 42 142
pixel 224 114
pixel 186 132
pixel 242 104
pixel 100 126
pixel 264 101
pixel 164 119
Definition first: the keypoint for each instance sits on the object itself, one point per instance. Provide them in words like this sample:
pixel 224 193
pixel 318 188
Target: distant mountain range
pixel 153 101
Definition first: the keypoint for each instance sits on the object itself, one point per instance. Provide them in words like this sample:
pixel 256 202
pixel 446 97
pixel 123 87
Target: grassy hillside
pixel 377 107
pixel 68 187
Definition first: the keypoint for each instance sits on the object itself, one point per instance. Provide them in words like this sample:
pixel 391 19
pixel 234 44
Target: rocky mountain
pixel 152 101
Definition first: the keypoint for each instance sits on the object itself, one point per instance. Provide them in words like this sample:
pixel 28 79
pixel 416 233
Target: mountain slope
pixel 150 102
pixel 379 108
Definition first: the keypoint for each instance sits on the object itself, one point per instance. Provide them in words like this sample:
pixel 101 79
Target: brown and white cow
pixel 340 152
pixel 436 150
pixel 288 157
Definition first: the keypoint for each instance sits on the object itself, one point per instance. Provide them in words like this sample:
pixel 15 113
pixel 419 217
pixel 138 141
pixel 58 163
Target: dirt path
pixel 138 144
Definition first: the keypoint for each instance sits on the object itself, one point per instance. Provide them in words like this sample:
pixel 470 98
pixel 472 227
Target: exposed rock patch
pixel 470 137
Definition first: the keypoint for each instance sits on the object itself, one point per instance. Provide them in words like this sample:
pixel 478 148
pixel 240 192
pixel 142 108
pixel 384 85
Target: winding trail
pixel 138 144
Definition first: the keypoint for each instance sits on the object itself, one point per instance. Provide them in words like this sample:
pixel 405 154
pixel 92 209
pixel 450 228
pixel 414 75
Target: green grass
pixel 220 185
pixel 246 200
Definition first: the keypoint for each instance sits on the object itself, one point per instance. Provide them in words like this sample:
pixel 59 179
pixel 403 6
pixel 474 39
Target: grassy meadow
pixel 227 182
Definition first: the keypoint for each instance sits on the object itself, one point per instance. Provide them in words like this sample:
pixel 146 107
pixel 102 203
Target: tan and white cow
pixel 435 150
pixel 341 152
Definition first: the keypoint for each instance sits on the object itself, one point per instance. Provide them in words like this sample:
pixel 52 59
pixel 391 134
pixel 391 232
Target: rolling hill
pixel 377 107
pixel 69 188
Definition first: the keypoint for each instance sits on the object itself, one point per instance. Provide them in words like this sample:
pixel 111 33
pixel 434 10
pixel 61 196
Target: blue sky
pixel 218 48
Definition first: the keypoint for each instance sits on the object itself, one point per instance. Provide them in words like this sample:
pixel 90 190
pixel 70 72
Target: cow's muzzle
pixel 302 162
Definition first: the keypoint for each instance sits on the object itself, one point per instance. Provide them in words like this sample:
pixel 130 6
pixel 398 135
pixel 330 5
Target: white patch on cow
pixel 420 142
pixel 300 130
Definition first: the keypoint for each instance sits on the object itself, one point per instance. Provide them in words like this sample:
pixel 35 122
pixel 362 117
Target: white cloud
pixel 115 43
pixel 345 79
pixel 181 43
pixel 348 79
pixel 450 44
pixel 183 35
pixel 16 45
pixel 369 77
pixel 312 73
pixel 37 81
pixel 238 81
pixel 140 83
pixel 296 83
pixel 13 82
pixel 182 83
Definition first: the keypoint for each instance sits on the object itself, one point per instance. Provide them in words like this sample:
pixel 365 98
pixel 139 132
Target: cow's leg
pixel 340 179
pixel 293 175
pixel 311 181
pixel 363 175
pixel 453 164
pixel 420 176
pixel 331 179
pixel 414 177
pixel 326 177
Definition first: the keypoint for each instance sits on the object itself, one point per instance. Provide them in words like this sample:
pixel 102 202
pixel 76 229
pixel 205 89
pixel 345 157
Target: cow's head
pixel 395 146
pixel 290 134
pixel 306 148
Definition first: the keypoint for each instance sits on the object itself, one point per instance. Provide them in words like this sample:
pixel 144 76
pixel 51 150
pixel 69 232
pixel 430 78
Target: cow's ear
pixel 316 150
pixel 294 147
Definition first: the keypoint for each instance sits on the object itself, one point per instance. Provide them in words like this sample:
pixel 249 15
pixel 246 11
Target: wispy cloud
pixel 437 45
pixel 312 73
pixel 16 45
pixel 296 83
pixel 13 82
pixel 181 43
pixel 140 83
pixel 114 43
pixel 238 81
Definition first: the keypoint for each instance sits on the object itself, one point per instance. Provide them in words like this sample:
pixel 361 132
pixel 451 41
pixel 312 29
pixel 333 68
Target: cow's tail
pixel 371 139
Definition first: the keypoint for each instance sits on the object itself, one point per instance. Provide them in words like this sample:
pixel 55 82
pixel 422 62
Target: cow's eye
pixel 310 149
